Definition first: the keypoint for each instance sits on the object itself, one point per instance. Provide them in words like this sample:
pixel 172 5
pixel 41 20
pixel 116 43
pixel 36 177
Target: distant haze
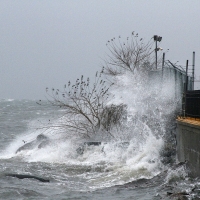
pixel 47 43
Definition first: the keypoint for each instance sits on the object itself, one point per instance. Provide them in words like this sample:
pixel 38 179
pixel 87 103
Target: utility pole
pixel 157 39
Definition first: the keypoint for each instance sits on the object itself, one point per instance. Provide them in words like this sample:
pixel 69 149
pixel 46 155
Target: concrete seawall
pixel 188 144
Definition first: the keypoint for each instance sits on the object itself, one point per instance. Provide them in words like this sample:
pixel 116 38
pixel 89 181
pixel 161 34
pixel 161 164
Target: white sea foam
pixel 149 108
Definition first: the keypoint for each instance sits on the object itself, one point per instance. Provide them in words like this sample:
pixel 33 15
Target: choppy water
pixel 108 171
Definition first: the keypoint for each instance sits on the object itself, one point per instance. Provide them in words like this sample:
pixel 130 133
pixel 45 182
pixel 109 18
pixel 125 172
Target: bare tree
pixel 133 54
pixel 85 104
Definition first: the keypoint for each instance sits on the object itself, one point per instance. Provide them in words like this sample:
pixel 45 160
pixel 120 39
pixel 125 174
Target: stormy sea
pixel 40 159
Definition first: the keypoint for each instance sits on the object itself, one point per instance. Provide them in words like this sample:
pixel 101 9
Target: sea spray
pixel 149 108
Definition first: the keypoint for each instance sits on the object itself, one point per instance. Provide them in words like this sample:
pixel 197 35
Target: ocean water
pixel 132 166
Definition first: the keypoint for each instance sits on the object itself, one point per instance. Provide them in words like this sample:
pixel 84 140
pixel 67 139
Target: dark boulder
pixel 81 149
pixel 40 142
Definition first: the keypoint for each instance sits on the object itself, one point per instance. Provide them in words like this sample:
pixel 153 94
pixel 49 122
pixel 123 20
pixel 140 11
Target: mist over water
pixel 134 153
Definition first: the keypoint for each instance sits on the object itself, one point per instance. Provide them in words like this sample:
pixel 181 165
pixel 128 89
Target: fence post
pixel 183 101
pixel 193 65
pixel 185 88
pixel 163 63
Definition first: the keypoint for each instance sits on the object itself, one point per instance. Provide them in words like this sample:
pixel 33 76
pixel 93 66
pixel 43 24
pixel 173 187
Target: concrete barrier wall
pixel 188 145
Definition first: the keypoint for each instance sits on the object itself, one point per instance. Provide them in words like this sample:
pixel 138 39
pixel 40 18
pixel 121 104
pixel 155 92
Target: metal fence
pixel 183 87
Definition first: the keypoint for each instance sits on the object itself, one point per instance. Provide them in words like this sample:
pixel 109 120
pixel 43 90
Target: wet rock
pixel 179 195
pixel 169 193
pixel 43 144
pixel 81 149
pixel 40 142
pixel 22 176
pixel 179 164
pixel 92 143
pixel 41 137
pixel 27 146
pixel 168 154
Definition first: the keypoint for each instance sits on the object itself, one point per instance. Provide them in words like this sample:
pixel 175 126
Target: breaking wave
pixel 134 153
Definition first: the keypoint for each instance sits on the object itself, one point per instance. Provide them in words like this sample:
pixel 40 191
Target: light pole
pixel 157 39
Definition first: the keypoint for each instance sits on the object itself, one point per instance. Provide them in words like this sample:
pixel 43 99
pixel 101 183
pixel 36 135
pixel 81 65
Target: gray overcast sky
pixel 46 43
